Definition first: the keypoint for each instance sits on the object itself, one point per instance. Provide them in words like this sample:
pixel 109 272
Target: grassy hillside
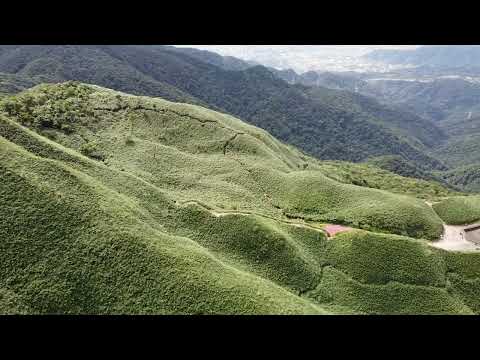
pixel 373 175
pixel 73 245
pixel 385 274
pixel 463 270
pixel 274 178
pixel 312 196
pixel 113 203
pixel 290 113
pixel 459 210
pixel 296 114
pixel 112 234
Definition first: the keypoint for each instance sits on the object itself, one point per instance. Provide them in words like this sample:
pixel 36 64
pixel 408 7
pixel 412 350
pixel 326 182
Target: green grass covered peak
pixel 113 203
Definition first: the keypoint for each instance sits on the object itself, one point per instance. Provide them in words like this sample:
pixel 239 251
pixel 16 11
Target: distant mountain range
pixel 445 56
pixel 302 58
pixel 435 98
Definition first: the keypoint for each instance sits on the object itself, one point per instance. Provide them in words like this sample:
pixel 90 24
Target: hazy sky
pixel 352 50
pixel 302 57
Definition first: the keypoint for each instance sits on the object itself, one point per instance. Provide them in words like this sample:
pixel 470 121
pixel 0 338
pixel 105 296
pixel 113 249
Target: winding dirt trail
pixel 453 238
pixel 246 213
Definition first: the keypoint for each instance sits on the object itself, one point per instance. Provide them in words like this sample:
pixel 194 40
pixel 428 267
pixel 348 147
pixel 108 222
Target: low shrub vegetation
pixel 459 210
pixel 203 215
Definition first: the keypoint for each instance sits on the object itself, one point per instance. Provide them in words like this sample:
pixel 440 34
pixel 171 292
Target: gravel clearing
pixel 453 239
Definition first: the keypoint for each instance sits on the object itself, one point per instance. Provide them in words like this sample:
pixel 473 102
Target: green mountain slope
pixel 290 113
pixel 377 175
pixel 380 274
pixel 400 166
pixel 439 99
pixel 466 177
pixel 353 94
pixel 411 129
pixel 453 103
pixel 459 210
pixel 89 64
pixel 315 120
pixel 276 175
pixel 461 153
pixel 439 95
pixel 461 149
pixel 112 203
pixel 461 127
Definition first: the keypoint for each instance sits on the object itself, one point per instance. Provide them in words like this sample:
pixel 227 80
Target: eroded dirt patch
pixel 333 230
